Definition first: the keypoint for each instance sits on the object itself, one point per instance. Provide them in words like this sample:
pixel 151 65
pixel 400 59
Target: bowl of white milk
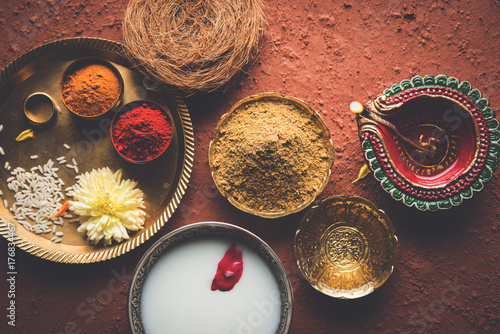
pixel 210 278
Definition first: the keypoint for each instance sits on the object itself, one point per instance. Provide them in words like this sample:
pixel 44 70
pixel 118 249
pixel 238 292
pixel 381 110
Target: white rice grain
pixel 6 165
pixel 58 240
pixel 61 158
pixel 59 234
pixel 2 151
pixel 70 166
pixel 34 156
pixel 26 225
pixel 38 194
pixel 1 127
pixel 66 146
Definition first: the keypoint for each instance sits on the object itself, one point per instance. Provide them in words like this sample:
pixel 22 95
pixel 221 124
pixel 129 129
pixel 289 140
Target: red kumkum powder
pixel 143 133
pixel 229 270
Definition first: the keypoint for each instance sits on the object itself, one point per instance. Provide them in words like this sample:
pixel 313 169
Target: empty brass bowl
pixel 345 247
pixel 39 108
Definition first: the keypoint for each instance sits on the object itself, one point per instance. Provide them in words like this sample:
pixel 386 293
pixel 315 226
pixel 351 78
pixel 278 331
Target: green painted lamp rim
pixel 455 194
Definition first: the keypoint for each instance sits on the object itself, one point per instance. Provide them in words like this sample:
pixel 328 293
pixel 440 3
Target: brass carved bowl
pixel 219 135
pixel 345 247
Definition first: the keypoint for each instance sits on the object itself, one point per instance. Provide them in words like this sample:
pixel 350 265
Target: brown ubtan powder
pixel 271 156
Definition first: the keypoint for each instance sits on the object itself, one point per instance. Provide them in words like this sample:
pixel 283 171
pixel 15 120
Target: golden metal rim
pixel 26 112
pixel 326 132
pixel 126 246
pixel 355 293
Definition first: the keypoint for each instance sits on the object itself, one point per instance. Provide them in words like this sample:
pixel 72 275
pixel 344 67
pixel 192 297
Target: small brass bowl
pixel 79 64
pixel 114 138
pixel 323 174
pixel 345 247
pixel 39 108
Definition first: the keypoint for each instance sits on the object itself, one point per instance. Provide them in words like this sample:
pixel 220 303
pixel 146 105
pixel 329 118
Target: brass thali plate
pixel 163 181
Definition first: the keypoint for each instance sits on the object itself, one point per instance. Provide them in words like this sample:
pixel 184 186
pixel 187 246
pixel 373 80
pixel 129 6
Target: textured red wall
pixel 326 53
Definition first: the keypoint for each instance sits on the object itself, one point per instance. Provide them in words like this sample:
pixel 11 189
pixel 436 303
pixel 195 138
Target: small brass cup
pixel 39 108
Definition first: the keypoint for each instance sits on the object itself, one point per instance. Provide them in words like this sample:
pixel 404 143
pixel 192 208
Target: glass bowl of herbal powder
pixel 271 155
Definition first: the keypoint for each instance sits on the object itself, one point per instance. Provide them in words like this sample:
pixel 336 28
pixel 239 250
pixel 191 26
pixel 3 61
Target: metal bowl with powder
pixel 90 87
pixel 271 155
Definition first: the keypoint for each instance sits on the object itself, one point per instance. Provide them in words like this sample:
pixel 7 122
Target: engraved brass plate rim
pixel 343 252
pixel 200 230
pixel 58 53
pixel 303 106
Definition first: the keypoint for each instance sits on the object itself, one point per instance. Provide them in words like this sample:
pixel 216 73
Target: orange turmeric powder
pixel 91 90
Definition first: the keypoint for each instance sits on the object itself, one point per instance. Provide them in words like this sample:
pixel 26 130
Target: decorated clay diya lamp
pixel 210 278
pixel 345 247
pixel 431 142
pixel 90 87
pixel 141 131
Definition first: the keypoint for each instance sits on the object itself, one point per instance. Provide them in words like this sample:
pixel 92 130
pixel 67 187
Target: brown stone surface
pixel 326 53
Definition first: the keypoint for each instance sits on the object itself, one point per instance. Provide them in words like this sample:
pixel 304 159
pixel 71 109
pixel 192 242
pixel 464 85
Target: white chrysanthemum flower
pixel 113 205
